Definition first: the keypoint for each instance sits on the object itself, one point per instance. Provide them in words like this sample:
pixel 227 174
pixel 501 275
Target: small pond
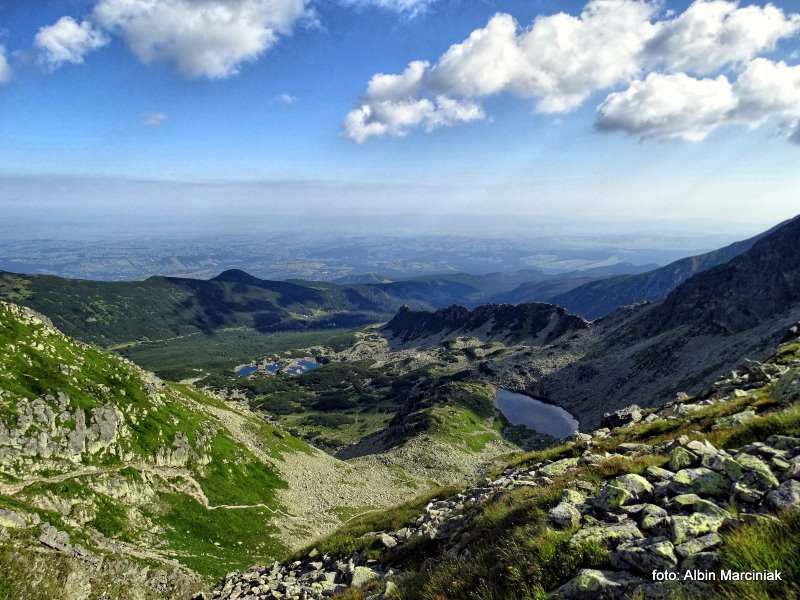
pixel 534 414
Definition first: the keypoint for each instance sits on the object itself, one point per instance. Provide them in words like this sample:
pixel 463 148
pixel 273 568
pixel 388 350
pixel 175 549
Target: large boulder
pixel 694 525
pixel 756 473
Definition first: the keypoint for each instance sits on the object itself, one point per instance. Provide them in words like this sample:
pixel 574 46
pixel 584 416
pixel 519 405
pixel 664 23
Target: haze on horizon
pixel 494 117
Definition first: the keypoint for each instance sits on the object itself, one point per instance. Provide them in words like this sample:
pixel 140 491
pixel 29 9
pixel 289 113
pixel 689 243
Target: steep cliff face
pixel 751 289
pixel 536 324
pixel 737 310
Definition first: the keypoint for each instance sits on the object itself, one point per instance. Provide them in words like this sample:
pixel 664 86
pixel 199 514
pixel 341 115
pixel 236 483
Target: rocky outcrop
pixel 535 324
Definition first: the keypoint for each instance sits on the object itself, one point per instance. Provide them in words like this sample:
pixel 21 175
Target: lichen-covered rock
pixel 363 575
pixel 608 535
pixel 681 458
pixel 611 497
pixel 592 584
pixel 659 473
pixel 645 555
pixel 559 467
pixel 700 544
pixel 702 481
pixel 734 420
pixel 565 515
pixel 636 485
pixel 694 503
pixel 756 472
pixel 573 497
pixel 694 525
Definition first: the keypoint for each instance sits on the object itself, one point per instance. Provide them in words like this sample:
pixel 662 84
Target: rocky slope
pixel 598 298
pixel 709 483
pixel 534 324
pixel 113 482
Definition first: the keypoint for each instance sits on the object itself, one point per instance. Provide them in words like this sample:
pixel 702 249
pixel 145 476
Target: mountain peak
pixel 235 276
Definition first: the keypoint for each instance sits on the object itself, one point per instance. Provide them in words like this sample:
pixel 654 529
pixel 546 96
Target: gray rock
pixel 700 480
pixel 786 497
pixel 739 418
pixel 651 515
pixel 565 515
pixel 701 544
pixel 657 473
pixel 680 458
pixel 757 473
pixel 702 561
pixel 592 584
pixel 624 416
pixel 694 525
pixel 573 497
pixel 746 494
pixel 611 497
pixel 363 575
pixel 694 503
pixel 559 467
pixel 645 555
pixel 608 535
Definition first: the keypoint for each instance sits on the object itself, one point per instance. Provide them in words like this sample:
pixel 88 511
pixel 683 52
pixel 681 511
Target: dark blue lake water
pixel 520 409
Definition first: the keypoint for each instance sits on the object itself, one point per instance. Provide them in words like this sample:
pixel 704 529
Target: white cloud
pixel 714 34
pixel 5 68
pixel 67 41
pixel 668 107
pixel 284 98
pixel 407 83
pixel 397 117
pixel 408 7
pixel 204 38
pixel 677 106
pixel 155 119
pixel 559 61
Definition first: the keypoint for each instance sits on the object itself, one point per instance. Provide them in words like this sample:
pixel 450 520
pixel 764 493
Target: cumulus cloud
pixel 67 41
pixel 203 38
pixel 668 61
pixel 397 117
pixel 155 119
pixel 669 107
pixel 714 34
pixel 677 106
pixel 5 68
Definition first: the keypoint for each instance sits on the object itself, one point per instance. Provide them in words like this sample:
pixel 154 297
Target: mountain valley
pixel 375 474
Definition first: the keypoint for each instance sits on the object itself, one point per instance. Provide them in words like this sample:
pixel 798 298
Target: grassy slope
pixel 211 542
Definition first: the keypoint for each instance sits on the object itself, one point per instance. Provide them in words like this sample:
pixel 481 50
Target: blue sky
pixel 280 113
